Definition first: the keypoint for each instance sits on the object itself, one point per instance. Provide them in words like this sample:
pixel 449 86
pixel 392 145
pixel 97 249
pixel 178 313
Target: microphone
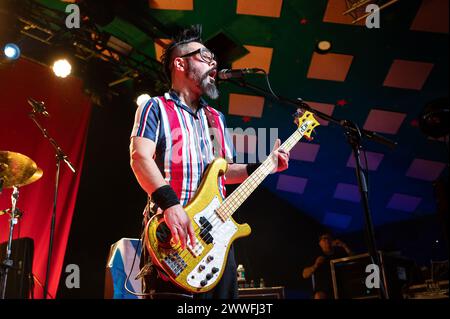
pixel 226 74
pixel 38 107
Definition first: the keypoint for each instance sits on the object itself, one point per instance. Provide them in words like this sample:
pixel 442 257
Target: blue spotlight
pixel 12 51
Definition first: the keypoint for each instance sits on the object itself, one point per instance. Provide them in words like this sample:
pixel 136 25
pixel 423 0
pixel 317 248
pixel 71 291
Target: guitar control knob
pixel 208 276
pixel 201 267
pixel 214 270
pixel 203 283
pixel 209 258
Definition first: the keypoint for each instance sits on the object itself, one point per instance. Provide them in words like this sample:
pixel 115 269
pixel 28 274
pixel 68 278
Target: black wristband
pixel 251 167
pixel 165 197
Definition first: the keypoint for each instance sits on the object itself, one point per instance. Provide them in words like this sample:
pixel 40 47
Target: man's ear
pixel 179 64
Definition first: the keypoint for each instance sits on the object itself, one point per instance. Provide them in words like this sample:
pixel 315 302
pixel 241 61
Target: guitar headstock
pixel 306 122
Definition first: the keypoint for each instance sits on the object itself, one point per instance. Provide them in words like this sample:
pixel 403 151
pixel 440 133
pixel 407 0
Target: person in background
pixel 331 249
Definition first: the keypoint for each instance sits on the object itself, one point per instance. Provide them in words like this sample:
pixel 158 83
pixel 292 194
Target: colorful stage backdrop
pixel 69 112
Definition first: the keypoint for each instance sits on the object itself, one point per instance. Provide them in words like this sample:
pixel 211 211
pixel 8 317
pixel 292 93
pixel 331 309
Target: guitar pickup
pixel 206 227
pixel 196 249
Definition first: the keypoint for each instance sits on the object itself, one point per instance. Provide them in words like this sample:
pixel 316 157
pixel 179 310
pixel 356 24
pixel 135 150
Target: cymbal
pixel 17 169
pixel 37 175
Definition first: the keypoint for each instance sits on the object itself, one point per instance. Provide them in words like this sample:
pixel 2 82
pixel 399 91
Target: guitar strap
pixel 214 127
pixel 218 151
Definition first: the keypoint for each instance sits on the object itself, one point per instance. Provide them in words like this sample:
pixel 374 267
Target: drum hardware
pixel 16 170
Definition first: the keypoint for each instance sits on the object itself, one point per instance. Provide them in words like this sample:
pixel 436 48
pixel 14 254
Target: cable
pixel 132 267
pixel 270 87
pixel 42 286
pixel 366 170
pixel 268 82
pixel 151 294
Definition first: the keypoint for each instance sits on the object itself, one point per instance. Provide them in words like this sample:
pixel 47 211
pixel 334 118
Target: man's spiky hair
pixel 188 35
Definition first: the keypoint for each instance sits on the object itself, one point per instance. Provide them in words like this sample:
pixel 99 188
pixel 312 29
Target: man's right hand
pixel 180 225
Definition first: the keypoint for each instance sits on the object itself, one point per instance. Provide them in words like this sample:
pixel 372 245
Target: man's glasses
pixel 206 55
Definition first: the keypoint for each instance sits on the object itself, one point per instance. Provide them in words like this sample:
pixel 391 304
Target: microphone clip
pixel 38 107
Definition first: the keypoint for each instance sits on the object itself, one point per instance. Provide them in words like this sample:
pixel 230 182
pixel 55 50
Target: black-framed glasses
pixel 206 55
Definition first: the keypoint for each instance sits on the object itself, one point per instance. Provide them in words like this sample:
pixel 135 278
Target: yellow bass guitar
pixel 199 267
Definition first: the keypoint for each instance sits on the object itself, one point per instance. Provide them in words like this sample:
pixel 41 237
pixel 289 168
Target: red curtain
pixel 68 124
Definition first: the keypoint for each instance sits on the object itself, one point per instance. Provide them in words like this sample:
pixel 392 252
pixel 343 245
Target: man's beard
pixel 208 88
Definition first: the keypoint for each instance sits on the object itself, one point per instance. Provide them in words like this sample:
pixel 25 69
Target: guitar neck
pixel 243 191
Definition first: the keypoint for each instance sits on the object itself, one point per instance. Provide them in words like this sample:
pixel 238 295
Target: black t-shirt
pixel 322 276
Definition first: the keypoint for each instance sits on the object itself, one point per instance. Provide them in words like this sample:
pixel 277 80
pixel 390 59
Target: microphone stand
pixel 8 262
pixel 60 156
pixel 354 136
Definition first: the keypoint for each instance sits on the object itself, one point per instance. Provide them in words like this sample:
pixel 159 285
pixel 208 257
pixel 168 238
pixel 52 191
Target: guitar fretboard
pixel 243 191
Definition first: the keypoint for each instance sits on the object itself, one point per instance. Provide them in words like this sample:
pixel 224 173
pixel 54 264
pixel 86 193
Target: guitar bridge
pixel 175 263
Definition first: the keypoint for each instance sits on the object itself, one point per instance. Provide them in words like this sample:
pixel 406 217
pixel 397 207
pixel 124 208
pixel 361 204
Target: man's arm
pixel 308 271
pixel 143 165
pixel 340 243
pixel 237 173
pixel 150 179
pixel 348 250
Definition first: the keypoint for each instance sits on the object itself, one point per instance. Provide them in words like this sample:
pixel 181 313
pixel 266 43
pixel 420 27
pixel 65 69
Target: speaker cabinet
pixel 20 278
pixel 349 276
pixel 261 293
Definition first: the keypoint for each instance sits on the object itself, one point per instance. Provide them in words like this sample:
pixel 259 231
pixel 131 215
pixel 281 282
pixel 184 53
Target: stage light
pixel 323 47
pixel 12 51
pixel 62 68
pixel 142 98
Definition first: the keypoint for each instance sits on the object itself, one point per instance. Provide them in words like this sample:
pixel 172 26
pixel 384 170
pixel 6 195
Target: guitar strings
pixel 243 191
pixel 215 220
